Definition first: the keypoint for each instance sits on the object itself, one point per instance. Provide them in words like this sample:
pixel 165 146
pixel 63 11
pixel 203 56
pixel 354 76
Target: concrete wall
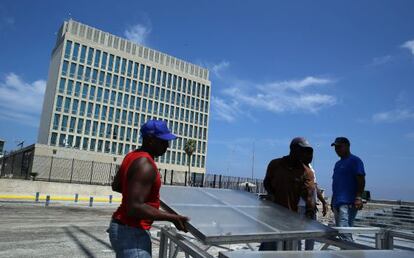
pixel 26 187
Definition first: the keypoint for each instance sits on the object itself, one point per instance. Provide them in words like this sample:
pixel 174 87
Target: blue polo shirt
pixel 344 183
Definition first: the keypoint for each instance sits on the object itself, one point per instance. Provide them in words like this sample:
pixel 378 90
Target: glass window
pixel 127 85
pixel 158 77
pixel 153 71
pixel 64 123
pixel 95 128
pixel 111 62
pixel 140 88
pixel 117 61
pixel 99 94
pixel 75 106
pixel 119 100
pixel 87 74
pixel 101 77
pixel 88 126
pixel 144 105
pixel 75 51
pixel 85 90
pixel 80 72
pixel 56 121
pixel 146 89
pixel 106 149
pixel 65 67
pixel 134 87
pixel 130 115
pixel 113 96
pixel 77 142
pixel 80 125
pixel 72 70
pixel 93 144
pixel 123 65
pixel 68 48
pixel 151 93
pixel 108 79
pixel 113 148
pixel 136 70
pixel 147 73
pixel 141 72
pixel 97 57
pixel 115 82
pixel 104 111
pixel 136 119
pixel 150 106
pixel 104 57
pixel 77 89
pixel 132 102
pixel 125 102
pixel 117 115
pixel 106 96
pixel 85 143
pixel 162 94
pixel 100 145
pixel 179 83
pixel 90 109
pixel 121 82
pixel 130 63
pixel 62 140
pixel 67 104
pixel 108 130
pixel 95 76
pixel 83 54
pixel 62 85
pixel 82 108
pixel 97 110
pixel 164 77
pixel 69 141
pixel 169 80
pixel 115 132
pixel 124 114
pixel 121 133
pixel 102 130
pixel 72 124
pixel 90 55
pixel 135 135
pixel 138 104
pixel 92 92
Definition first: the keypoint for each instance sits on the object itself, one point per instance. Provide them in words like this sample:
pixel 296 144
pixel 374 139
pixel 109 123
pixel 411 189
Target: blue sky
pixel 318 69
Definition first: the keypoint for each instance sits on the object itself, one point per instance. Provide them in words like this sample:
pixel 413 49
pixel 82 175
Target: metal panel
pixel 219 216
pixel 320 254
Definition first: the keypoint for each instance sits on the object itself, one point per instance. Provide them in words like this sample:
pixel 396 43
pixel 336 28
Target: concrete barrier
pixel 18 187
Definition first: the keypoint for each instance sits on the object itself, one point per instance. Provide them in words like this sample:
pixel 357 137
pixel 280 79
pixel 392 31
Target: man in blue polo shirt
pixel 348 183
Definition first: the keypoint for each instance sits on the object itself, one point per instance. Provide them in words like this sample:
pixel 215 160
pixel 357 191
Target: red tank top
pixel 153 198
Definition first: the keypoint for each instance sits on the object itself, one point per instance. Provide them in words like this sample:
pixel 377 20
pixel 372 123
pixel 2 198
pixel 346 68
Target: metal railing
pixel 25 165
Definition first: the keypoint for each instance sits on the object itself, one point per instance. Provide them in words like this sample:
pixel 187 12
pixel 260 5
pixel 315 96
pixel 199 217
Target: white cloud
pixel 381 60
pixel 138 33
pixel 284 96
pixel 21 101
pixel 226 111
pixel 409 45
pixel 218 68
pixel 392 116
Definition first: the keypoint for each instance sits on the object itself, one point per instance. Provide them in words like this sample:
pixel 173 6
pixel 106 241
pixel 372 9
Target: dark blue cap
pixel 158 129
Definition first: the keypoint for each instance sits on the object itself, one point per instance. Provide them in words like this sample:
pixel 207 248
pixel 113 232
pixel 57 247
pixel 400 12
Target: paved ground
pixel 29 229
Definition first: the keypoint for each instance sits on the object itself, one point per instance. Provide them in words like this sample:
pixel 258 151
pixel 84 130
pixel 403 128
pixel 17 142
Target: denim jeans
pixel 129 242
pixel 344 217
pixel 309 243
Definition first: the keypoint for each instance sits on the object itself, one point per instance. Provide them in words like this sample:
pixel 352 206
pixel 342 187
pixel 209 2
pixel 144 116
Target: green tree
pixel 189 148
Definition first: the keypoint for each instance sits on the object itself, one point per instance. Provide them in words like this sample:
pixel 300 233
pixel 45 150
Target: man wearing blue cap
pixel 348 183
pixel 139 181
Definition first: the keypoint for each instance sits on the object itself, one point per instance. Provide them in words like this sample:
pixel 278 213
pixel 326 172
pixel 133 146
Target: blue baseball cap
pixel 158 129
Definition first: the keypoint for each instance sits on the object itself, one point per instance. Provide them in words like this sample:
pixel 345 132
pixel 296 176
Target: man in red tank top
pixel 138 179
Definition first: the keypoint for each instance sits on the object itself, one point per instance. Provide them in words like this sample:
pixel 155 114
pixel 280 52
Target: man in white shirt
pixel 317 194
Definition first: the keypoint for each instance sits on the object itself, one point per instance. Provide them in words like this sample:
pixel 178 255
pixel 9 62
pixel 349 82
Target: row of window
pixel 122 132
pixel 90 109
pixel 113 97
pixel 117 65
pixel 91 144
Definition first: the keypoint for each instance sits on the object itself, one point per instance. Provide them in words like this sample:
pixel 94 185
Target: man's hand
pixel 179 222
pixel 324 209
pixel 358 203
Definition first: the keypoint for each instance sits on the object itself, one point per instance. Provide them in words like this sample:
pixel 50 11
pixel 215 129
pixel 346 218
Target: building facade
pixel 101 88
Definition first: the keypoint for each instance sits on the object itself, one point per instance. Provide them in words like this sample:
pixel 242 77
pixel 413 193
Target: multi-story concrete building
pixel 102 88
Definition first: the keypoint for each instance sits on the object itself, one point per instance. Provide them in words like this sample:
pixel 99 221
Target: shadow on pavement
pixel 84 249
